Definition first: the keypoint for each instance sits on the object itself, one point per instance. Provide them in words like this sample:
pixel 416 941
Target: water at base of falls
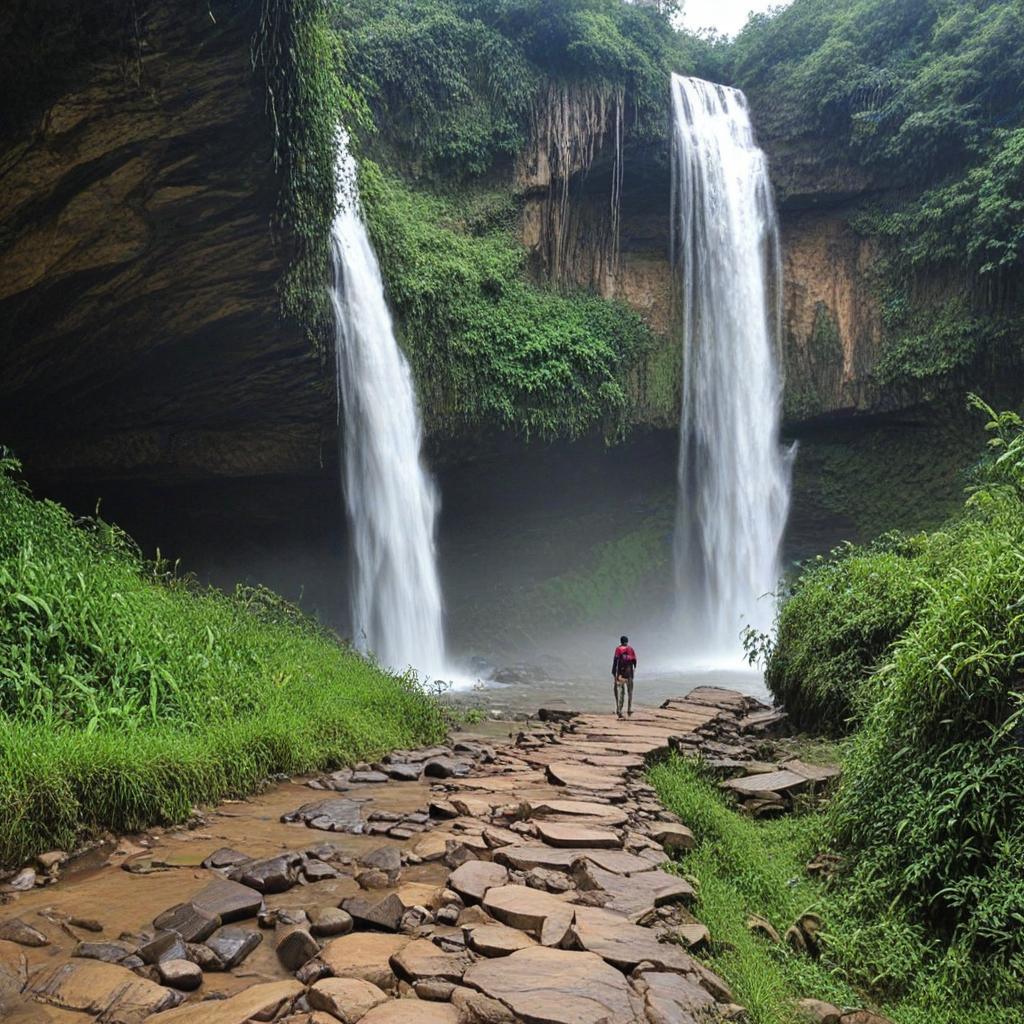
pixel 733 488
pixel 391 501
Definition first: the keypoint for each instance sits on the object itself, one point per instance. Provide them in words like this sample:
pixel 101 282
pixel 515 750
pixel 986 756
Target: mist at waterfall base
pixel 733 474
pixel 390 500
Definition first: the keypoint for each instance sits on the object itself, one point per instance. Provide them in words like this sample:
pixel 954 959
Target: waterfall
pixel 391 501
pixel 733 473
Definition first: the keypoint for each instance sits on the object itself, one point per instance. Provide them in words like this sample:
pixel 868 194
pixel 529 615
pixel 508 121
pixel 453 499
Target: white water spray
pixel 391 500
pixel 733 474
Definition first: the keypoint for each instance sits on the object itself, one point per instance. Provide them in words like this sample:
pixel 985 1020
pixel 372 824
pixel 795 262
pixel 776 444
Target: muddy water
pixel 96 885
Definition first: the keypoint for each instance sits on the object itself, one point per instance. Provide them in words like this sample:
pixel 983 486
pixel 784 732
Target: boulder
pixel 228 900
pixel 295 946
pixel 554 986
pixel 384 858
pixel 409 772
pixel 446 768
pixel 192 923
pixel 180 974
pixel 347 999
pixel 225 857
pixel 13 929
pixel 232 944
pixel 386 913
pixel 164 946
pixel 366 956
pixel 815 1011
pixel 204 957
pixel 672 837
pixel 259 1002
pixel 475 877
pixel 275 874
pixel 543 916
pixel 114 992
pixel 498 940
pixel 329 921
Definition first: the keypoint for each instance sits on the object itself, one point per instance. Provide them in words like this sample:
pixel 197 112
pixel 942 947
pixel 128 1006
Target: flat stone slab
pixel 769 782
pixel 533 855
pixel 261 1002
pixel 671 998
pixel 577 836
pixel 498 940
pixel 421 959
pixel 634 895
pixel 554 986
pixel 624 945
pixel 672 837
pixel 365 955
pixel 412 1011
pixel 96 988
pixel 475 877
pixel 334 814
pixel 345 999
pixel 816 773
pixel 228 900
pixel 542 915
pixel 588 812
pixel 581 776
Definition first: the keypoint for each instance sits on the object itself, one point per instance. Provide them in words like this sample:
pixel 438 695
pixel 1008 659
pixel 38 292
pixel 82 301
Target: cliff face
pixel 138 308
pixel 607 229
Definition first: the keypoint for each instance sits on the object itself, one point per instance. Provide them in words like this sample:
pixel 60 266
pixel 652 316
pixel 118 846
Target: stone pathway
pixel 527 883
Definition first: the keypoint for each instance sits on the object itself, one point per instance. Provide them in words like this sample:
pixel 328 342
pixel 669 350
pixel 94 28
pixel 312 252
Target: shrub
pixel 843 614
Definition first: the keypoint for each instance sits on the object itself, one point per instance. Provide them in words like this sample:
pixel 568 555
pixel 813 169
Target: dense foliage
pixel 453 83
pixel 487 346
pixel 127 695
pixel 921 101
pixel 878 955
pixel 925 646
pixel 839 620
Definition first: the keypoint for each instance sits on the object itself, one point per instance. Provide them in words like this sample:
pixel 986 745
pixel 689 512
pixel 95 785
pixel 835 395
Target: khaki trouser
pixel 623 683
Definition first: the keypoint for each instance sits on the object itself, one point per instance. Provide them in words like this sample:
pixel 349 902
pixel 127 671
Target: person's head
pixel 623 639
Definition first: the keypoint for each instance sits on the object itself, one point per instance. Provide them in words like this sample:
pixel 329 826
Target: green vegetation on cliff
pixel 918 644
pixel 487 346
pixel 128 695
pixel 919 104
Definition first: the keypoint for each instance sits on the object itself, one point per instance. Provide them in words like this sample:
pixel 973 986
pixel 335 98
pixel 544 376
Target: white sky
pixel 727 16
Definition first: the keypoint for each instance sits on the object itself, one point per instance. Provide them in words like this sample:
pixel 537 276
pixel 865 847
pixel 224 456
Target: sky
pixel 727 16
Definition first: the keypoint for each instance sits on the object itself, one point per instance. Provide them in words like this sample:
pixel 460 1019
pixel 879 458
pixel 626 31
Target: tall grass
pixel 127 694
pixel 883 959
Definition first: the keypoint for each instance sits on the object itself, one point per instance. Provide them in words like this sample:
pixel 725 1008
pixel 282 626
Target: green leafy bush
pixel 490 349
pixel 841 617
pixel 127 695
pixel 927 652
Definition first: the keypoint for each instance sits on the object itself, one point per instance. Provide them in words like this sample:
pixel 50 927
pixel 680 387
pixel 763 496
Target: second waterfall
pixel 391 500
pixel 733 473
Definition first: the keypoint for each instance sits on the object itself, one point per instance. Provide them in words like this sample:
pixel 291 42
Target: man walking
pixel 623 666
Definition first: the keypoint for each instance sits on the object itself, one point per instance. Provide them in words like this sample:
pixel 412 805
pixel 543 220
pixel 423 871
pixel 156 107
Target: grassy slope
pixel 743 866
pixel 127 696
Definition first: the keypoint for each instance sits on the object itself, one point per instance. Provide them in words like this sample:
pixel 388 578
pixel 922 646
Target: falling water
pixel 733 474
pixel 391 501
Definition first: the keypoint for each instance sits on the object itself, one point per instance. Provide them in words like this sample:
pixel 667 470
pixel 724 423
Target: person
pixel 623 667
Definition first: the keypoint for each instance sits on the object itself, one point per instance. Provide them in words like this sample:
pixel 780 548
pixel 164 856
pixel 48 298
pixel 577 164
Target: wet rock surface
pixel 468 884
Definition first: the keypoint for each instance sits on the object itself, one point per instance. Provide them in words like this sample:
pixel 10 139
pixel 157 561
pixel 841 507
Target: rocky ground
pixel 466 884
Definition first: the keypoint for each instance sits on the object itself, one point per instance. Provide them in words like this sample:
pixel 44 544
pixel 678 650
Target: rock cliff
pixel 138 304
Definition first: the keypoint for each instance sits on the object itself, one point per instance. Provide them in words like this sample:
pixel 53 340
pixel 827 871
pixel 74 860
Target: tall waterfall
pixel 391 500
pixel 733 474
